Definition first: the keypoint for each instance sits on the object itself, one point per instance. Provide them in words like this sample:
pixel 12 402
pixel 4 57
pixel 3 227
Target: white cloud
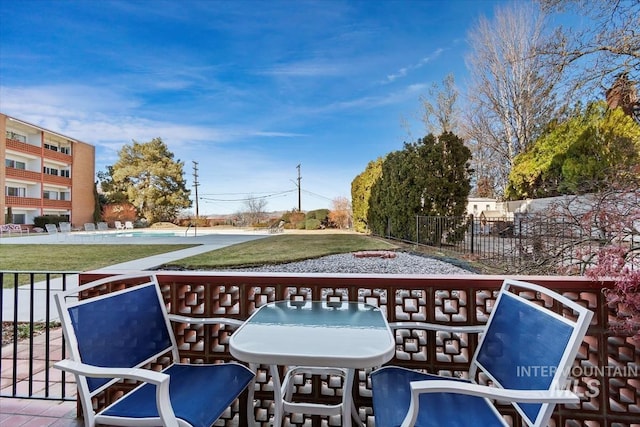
pixel 305 69
pixel 404 71
pixel 375 101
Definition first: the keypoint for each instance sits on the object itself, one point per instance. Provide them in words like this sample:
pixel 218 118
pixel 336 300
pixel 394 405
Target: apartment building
pixel 44 173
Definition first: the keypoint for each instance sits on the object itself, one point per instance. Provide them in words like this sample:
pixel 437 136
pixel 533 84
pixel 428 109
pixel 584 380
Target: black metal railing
pixel 31 337
pixel 523 244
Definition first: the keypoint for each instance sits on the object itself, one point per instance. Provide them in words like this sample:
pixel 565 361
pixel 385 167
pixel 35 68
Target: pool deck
pixel 140 236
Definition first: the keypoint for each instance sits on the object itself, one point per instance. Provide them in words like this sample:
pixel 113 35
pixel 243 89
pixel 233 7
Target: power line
pixel 244 199
pixel 317 195
pixel 243 193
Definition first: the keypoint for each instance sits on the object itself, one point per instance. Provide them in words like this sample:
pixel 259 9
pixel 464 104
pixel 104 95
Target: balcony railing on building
pixel 14 144
pixel 56 179
pixel 23 202
pixel 56 204
pixel 23 174
pixel 605 374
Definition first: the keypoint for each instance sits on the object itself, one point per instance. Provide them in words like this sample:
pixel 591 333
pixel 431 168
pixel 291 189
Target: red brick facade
pixel 44 173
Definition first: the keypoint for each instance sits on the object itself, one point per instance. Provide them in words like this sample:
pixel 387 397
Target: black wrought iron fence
pixel 523 243
pixel 31 336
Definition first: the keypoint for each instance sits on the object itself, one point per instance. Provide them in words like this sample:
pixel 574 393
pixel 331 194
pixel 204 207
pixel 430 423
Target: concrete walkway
pixel 38 307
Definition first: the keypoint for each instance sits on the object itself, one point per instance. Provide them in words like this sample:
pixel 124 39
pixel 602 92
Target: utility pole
pixel 196 184
pixel 299 199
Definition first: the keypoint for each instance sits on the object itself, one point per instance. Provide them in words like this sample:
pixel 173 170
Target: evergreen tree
pixel 428 177
pixel 361 193
pixel 152 179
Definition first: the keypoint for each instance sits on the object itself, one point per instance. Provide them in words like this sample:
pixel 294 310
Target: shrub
pixel 40 221
pixel 312 224
pixel 119 212
pixel 319 214
pixel 294 220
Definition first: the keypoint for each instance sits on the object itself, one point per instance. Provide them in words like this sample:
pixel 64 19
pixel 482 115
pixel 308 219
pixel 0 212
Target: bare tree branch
pixel 511 93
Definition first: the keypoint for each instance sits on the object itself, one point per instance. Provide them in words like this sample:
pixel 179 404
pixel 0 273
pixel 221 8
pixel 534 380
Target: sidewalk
pixel 210 243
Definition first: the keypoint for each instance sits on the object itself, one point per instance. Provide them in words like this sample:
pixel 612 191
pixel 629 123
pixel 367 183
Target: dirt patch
pixel 23 331
pixel 375 254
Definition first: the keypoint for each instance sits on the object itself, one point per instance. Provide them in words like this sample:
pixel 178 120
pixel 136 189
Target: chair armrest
pixel 205 320
pixel 138 374
pixel 437 327
pixel 159 379
pixel 446 386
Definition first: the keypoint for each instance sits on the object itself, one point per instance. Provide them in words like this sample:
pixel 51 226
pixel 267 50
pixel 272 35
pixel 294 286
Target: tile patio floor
pixel 18 412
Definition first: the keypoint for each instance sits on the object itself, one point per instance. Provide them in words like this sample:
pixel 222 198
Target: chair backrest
pixel 103 226
pixel 89 226
pixel 65 227
pixel 530 346
pixel 51 228
pixel 127 328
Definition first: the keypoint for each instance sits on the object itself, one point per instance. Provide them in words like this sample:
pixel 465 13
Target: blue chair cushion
pixel 199 393
pixel 392 396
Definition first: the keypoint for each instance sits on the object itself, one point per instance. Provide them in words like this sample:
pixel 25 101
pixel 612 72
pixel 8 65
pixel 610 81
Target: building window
pixel 16 191
pixel 18 219
pixel 50 171
pixel 55 147
pixel 15 164
pixel 50 195
pixel 65 195
pixel 16 136
pixel 65 173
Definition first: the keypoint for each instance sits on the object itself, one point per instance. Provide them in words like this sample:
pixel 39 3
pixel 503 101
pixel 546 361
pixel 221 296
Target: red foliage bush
pixel 119 212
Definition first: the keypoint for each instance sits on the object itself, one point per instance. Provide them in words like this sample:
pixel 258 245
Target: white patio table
pixel 346 335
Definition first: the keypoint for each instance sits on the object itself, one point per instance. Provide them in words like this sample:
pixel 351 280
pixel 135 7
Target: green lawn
pixel 73 257
pixel 270 250
pixel 281 249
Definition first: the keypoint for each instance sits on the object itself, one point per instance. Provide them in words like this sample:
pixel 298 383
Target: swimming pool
pixel 150 233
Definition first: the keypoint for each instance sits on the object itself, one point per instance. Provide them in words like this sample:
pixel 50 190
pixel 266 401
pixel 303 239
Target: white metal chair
pixel 65 229
pixel 52 230
pixel 90 230
pixel 525 350
pixel 128 225
pixel 113 336
pixel 118 225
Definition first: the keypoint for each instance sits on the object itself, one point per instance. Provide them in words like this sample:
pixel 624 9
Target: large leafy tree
pixel 578 155
pixel 152 180
pixel 428 177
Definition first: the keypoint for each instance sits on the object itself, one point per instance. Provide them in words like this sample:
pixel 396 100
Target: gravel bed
pixel 402 263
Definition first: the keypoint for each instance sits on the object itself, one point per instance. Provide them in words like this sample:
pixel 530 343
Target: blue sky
pixel 248 89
